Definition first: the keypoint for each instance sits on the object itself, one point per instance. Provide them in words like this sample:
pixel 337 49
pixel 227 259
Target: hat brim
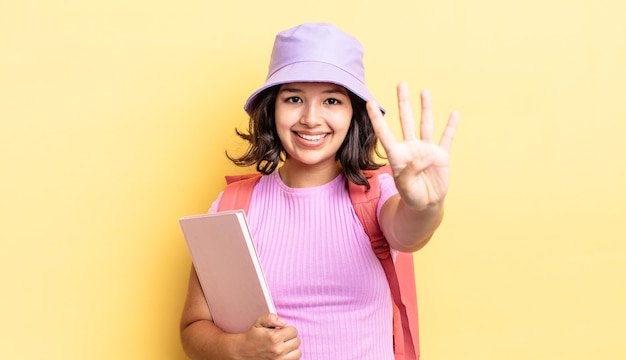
pixel 310 71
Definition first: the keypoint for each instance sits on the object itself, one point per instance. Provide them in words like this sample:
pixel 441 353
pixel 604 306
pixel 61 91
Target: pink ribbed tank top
pixel 321 270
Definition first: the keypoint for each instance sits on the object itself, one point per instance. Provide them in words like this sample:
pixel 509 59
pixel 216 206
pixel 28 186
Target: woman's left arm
pixel 420 170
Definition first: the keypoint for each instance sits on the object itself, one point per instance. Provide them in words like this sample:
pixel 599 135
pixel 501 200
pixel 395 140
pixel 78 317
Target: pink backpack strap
pixel 400 274
pixel 238 192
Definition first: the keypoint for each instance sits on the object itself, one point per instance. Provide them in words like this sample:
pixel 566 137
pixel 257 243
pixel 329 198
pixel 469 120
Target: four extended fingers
pixel 386 136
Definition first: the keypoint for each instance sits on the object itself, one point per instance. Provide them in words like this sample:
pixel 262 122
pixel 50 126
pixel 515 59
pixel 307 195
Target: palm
pixel 420 167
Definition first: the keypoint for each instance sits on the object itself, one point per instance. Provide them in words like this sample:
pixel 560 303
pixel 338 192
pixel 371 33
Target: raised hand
pixel 420 167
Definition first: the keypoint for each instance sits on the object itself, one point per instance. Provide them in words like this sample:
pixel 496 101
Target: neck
pixel 302 176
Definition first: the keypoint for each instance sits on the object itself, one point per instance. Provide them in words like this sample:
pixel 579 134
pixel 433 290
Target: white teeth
pixel 312 137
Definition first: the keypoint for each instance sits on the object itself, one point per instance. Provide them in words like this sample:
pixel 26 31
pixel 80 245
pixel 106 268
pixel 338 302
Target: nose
pixel 311 115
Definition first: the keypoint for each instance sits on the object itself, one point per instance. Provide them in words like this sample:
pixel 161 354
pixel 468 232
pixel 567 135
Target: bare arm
pixel 407 229
pixel 420 169
pixel 268 338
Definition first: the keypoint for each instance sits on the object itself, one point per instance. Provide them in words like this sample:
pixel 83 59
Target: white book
pixel 228 268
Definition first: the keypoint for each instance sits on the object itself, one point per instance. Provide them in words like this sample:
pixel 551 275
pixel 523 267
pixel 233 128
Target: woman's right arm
pixel 267 338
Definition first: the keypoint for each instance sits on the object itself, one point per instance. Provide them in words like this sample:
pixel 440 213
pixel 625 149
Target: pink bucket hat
pixel 316 52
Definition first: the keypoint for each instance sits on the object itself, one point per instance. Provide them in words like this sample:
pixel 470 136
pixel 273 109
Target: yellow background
pixel 114 116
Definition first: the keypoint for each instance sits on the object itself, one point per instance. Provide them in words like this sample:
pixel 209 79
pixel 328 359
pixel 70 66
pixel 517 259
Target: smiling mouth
pixel 308 137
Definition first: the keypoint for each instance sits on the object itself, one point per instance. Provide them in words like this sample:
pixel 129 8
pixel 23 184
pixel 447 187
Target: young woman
pixel 314 126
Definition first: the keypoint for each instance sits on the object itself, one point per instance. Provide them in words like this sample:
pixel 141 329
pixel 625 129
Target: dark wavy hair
pixel 265 150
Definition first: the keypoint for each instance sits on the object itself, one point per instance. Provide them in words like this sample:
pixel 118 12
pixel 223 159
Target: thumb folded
pixel 271 321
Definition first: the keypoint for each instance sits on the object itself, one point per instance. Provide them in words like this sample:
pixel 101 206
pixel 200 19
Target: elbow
pixel 411 245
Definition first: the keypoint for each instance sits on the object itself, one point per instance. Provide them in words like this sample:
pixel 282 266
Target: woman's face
pixel 312 120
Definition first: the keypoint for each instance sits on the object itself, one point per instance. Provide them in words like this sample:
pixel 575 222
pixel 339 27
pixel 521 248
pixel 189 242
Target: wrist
pixel 231 345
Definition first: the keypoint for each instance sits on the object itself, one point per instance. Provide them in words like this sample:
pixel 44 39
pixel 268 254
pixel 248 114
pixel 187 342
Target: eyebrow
pixel 334 90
